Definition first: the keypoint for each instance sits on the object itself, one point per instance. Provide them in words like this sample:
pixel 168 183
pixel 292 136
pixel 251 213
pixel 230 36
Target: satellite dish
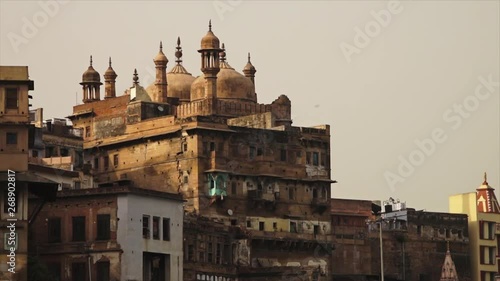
pixel 160 108
pixel 230 212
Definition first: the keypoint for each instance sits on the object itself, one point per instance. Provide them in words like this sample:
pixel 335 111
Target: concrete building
pixel 110 234
pixel 16 183
pixel 233 159
pixel 483 211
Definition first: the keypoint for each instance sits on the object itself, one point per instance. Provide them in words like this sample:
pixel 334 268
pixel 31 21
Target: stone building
pixel 414 242
pixel 483 211
pixel 110 234
pixel 16 182
pixel 207 137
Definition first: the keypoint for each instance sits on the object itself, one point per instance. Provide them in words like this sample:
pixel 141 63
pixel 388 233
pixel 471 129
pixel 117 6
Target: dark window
pixel 315 159
pixel 283 155
pixel 166 229
pixel 11 138
pixel 145 227
pixel 156 228
pixel 11 99
pixel 308 158
pixel 234 222
pixel 252 152
pixel 54 270
pixel 259 151
pixel 210 253
pixel 227 254
pixel 49 151
pixel 218 254
pixel 102 271
pixel 293 227
pixel 106 162
pixel 315 193
pixel 78 228
pixel 78 185
pixel 10 203
pixel 261 225
pixel 54 230
pixel 212 146
pixel 96 163
pixel 115 160
pixel 249 224
pixel 103 227
pixel 78 271
pixel 64 152
pixel 291 193
pixel 275 225
pixel 190 253
pixel 316 229
pixel 34 153
pixel 233 188
pixel 87 132
pixel 185 147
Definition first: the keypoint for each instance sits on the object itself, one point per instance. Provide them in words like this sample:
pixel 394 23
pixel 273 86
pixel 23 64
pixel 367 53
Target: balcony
pixel 320 204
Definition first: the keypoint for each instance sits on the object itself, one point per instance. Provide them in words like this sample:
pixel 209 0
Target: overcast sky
pixel 409 88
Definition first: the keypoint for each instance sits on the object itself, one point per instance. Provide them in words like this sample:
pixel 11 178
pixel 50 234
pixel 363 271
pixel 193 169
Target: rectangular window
pixel 78 271
pixel 54 230
pixel 78 224
pixel 106 162
pixel 87 132
pixel 115 160
pixel 166 229
pixel 96 163
pixel 54 270
pixel 13 204
pixel 308 158
pixel 291 193
pixel 275 225
pixel 212 146
pixel 218 254
pixel 316 229
pixel 64 152
pixel 78 185
pixel 249 224
pixel 251 153
pixel 233 188
pixel 227 255
pixel 315 159
pixel 293 227
pixel 34 153
pixel 261 225
pixel 145 227
pixel 102 271
pixel 185 147
pixel 259 151
pixel 186 179
pixel 190 253
pixel 49 151
pixel 210 253
pixel 103 227
pixel 11 98
pixel 12 138
pixel 156 228
pixel 283 154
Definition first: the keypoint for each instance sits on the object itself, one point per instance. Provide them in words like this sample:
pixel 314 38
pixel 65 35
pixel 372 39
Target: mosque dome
pixel 91 75
pixel 210 41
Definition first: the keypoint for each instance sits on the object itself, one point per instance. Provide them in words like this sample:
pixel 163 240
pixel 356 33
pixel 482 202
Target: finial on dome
pixel 136 77
pixel 249 57
pixel 161 46
pixel 178 53
pixel 485 179
pixel 210 25
pixel 222 54
pixel 109 61
pixel 90 60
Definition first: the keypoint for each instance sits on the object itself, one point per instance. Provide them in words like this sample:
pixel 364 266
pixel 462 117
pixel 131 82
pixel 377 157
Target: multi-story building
pixel 414 242
pixel 16 182
pixel 110 234
pixel 483 211
pixel 233 159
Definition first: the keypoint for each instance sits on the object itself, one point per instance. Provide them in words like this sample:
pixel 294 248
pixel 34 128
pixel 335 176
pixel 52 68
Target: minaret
pixel 448 271
pixel 109 82
pixel 161 76
pixel 210 62
pixel 91 83
pixel 250 70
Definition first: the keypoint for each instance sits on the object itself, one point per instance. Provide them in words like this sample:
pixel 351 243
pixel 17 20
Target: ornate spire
pixel 210 25
pixel 178 53
pixel 249 70
pixel 448 272
pixel 136 77
pixel 90 60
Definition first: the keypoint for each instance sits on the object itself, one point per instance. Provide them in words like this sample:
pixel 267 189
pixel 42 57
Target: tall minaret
pixel 210 62
pixel 91 83
pixel 109 82
pixel 161 76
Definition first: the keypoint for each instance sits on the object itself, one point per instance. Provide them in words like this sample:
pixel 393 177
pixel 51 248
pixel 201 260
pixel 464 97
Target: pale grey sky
pixel 429 70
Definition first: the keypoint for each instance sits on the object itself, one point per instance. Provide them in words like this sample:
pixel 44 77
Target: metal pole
pixel 381 253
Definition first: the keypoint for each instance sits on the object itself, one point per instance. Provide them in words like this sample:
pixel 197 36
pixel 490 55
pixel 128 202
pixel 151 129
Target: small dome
pixel 91 75
pixel 160 57
pixel 110 72
pixel 210 41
